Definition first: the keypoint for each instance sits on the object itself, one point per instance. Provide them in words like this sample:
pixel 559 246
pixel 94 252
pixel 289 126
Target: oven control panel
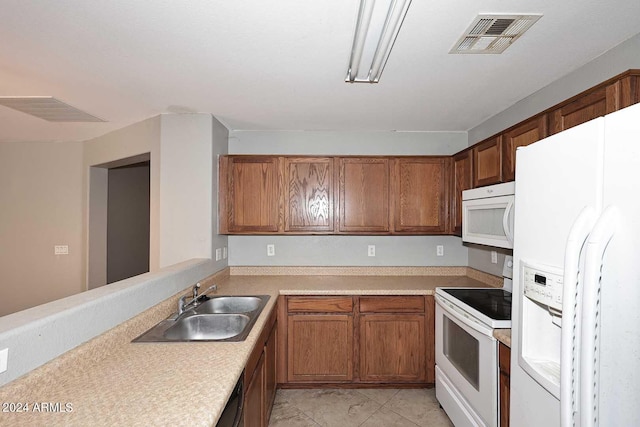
pixel 543 284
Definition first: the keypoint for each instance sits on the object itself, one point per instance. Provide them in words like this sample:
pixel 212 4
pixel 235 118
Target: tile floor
pixel 358 407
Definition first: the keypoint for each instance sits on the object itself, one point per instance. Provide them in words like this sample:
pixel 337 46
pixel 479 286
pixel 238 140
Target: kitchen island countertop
pixel 112 382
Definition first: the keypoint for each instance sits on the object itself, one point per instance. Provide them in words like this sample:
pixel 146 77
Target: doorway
pixel 128 221
pixel 119 220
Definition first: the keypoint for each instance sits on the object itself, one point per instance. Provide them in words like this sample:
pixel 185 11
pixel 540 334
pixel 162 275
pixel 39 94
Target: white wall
pixel 186 187
pixel 220 142
pixel 346 143
pixel 41 206
pixel 346 250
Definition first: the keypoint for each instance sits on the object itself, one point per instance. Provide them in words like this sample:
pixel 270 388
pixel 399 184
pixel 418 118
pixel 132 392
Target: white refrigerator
pixel 576 285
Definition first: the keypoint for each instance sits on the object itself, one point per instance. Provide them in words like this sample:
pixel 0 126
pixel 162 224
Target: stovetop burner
pixel 493 303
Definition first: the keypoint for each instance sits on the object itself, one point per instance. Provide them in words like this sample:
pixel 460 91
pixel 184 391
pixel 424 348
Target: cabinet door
pixel 505 378
pixel 270 373
pixel 319 348
pixel 254 398
pixel 462 180
pixel 363 187
pixel 420 195
pixel 487 162
pixel 584 108
pixel 392 348
pixel 527 133
pixel 308 194
pixel 252 194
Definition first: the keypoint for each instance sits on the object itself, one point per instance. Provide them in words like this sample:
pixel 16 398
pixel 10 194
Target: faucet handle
pixel 195 290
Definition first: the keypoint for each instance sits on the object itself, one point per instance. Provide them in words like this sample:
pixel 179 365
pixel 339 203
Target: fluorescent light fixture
pixel 377 27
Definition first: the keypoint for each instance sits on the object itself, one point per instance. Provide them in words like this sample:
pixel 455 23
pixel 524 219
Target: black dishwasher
pixel 232 413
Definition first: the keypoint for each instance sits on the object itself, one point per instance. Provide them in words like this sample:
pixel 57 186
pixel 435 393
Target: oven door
pixel 466 354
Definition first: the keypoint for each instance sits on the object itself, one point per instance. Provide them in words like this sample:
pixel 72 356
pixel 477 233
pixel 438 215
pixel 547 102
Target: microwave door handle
pixel 596 247
pixel 505 222
pixel 571 313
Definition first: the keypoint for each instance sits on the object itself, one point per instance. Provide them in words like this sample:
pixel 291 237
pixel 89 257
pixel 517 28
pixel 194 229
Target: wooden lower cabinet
pixel 504 357
pixel 254 398
pixel 392 347
pixel 260 377
pixel 320 348
pixel 357 340
pixel 270 377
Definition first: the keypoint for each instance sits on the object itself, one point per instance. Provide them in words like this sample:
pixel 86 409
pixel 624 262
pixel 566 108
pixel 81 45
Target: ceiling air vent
pixel 493 33
pixel 47 108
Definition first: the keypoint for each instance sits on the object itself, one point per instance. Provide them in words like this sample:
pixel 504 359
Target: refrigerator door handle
pixel 597 243
pixel 505 222
pixel 571 299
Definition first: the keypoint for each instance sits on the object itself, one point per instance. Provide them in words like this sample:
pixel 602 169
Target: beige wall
pixel 46 200
pixel 41 206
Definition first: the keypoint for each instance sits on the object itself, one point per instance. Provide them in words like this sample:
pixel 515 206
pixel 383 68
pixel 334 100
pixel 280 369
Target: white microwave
pixel 487 215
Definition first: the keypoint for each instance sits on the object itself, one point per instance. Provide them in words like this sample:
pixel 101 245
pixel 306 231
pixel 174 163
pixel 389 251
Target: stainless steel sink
pixel 234 304
pixel 205 327
pixel 221 318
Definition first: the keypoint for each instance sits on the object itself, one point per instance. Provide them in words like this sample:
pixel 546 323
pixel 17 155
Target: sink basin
pixel 199 327
pixel 235 304
pixel 221 318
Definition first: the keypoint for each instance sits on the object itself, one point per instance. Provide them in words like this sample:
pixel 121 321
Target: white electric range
pixel 467 352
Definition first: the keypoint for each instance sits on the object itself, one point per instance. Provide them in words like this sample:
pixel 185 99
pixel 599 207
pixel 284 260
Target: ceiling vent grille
pixel 47 108
pixel 493 33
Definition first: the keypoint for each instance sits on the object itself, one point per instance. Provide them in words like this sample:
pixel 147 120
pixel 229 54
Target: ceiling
pixel 280 65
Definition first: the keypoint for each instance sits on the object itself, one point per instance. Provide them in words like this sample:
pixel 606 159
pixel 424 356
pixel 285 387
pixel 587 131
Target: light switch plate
pixel 218 254
pixel 4 355
pixel 224 252
pixel 494 257
pixel 61 250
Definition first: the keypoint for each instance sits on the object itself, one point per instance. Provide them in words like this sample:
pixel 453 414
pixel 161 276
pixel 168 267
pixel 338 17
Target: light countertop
pixel 110 381
pixel 503 335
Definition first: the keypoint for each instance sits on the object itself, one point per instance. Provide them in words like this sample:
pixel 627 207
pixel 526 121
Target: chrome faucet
pixel 182 304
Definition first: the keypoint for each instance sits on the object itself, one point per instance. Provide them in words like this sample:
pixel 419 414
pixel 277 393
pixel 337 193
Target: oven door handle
pixel 463 317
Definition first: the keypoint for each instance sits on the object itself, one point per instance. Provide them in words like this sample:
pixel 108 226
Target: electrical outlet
pixel 494 257
pixel 440 250
pixel 61 250
pixel 218 254
pixel 271 250
pixel 4 355
pixel 371 250
pixel 224 252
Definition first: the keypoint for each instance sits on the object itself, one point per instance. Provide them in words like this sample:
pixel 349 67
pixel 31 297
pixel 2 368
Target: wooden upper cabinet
pixel 525 133
pixel 487 162
pixel 462 176
pixel 582 109
pixel 419 194
pixel 623 92
pixel 251 194
pixel 363 195
pixel 308 194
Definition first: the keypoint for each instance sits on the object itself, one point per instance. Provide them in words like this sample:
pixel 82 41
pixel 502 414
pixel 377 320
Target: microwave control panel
pixel 543 284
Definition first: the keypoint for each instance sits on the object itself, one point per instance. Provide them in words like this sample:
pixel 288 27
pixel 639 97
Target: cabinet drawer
pixel 392 304
pixel 319 305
